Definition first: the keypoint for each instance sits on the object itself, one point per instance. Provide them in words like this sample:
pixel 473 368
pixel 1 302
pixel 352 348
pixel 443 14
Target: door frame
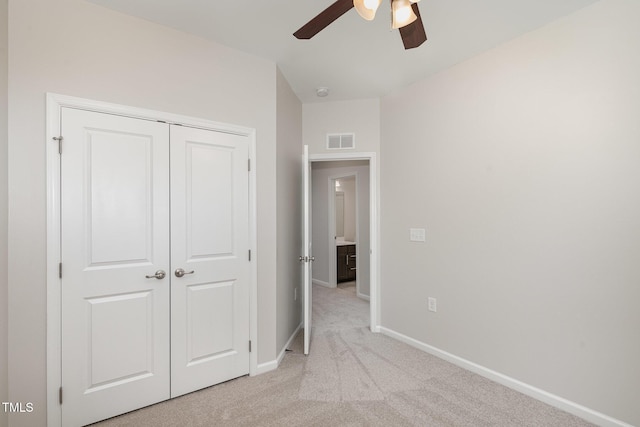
pixel 54 105
pixel 374 226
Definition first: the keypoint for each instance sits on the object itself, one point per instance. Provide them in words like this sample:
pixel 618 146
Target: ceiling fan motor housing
pixel 405 16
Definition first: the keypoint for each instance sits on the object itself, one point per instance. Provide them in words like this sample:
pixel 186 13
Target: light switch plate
pixel 417 234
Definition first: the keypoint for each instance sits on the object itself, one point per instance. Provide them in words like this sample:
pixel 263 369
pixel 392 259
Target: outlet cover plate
pixel 417 234
pixel 433 304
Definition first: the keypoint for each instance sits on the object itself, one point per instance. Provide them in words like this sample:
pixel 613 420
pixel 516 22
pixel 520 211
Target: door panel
pixel 210 242
pixel 342 266
pixel 119 191
pixel 209 200
pixel 115 198
pixel 209 304
pixel 306 250
pixel 121 330
pixel 117 234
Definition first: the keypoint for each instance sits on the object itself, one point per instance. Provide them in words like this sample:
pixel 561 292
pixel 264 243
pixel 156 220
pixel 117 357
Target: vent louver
pixel 341 141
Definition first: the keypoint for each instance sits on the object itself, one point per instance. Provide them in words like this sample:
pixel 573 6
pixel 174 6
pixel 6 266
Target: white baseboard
pixel 263 368
pixel 321 283
pixel 272 365
pixel 288 344
pixel 364 297
pixel 529 390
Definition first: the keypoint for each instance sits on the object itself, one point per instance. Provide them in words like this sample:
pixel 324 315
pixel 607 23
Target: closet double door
pixel 155 269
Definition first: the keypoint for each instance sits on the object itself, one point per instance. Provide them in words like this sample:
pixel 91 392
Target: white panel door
pixel 115 215
pixel 210 270
pixel 307 257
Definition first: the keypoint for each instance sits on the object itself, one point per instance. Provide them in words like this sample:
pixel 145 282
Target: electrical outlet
pixel 417 234
pixel 433 304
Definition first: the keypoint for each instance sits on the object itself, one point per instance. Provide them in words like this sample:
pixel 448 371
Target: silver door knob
pixel 180 272
pixel 160 274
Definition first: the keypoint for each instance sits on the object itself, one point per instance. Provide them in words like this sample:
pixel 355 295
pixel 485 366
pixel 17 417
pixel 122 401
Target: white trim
pixel 529 390
pixel 263 368
pixel 253 244
pixel 363 296
pixel 288 344
pixel 54 291
pixel 331 206
pixel 54 104
pixel 374 226
pixel 322 283
pixel 307 240
pixel 144 114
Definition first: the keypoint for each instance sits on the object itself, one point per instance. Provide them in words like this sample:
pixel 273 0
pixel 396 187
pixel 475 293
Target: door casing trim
pixel 54 105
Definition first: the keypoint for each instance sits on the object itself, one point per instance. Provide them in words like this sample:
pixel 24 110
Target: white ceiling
pixel 353 57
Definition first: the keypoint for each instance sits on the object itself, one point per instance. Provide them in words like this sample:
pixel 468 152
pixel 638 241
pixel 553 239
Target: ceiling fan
pixel 405 16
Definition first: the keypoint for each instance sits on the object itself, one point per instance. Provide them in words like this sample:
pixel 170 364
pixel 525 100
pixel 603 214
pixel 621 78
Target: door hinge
pixel 60 395
pixel 249 346
pixel 249 165
pixel 59 139
pixel 249 254
pixel 60 270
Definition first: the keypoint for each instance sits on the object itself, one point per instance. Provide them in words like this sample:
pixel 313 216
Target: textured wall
pixel 523 165
pixel 289 211
pixel 75 48
pixel 4 284
pixel 360 116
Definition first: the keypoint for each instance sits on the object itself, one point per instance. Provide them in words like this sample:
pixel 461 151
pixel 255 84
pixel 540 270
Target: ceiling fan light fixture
pixel 367 8
pixel 401 14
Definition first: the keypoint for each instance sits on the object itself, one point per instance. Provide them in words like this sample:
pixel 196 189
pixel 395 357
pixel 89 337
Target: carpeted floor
pixel 352 378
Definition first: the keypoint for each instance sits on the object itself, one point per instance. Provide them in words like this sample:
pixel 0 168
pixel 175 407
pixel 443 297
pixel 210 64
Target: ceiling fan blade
pixel 323 19
pixel 413 35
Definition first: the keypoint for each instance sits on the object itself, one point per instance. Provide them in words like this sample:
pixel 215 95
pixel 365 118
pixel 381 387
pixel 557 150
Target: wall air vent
pixel 341 141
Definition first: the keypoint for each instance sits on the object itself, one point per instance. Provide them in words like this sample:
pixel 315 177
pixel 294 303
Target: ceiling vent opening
pixel 341 141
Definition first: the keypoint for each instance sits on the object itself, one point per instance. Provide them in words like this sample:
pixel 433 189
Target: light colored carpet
pixel 352 378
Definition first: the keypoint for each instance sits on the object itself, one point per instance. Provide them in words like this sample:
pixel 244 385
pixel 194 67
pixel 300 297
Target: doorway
pixel 151 225
pixel 309 162
pixel 341 226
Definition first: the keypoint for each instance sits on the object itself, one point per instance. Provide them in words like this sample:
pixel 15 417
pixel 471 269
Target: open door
pixel 306 257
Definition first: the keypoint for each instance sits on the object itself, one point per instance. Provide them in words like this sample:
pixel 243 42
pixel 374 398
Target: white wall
pixel 320 175
pixel 289 211
pixel 524 168
pixel 4 307
pixel 361 117
pixel 79 49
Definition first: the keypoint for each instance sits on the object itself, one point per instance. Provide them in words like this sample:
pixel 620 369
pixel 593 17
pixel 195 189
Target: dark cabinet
pixel 346 263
